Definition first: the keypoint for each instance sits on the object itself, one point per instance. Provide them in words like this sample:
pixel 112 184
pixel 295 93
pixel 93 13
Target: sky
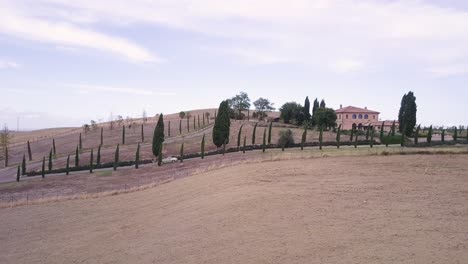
pixel 64 63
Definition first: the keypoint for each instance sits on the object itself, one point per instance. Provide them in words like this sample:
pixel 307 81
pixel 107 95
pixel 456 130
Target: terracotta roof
pixel 353 109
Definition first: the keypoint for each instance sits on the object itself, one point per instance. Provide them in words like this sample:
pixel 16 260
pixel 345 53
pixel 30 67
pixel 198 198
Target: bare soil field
pixel 348 209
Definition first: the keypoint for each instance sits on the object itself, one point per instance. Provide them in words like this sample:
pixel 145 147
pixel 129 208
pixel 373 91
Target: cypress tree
pixel 169 128
pixel 43 167
pixel 182 153
pixel 407 114
pixel 264 141
pixel 393 128
pixel 137 156
pixel 77 157
pixel 401 112
pixel 180 127
pixel 338 137
pixel 239 137
pixel 269 132
pixel 50 161
pixel 102 136
pixel 372 137
pixel 224 148
pixel 158 137
pixel 253 134
pixel 243 149
pixel 67 168
pixel 203 116
pixel 455 134
pixel 116 157
pixel 123 135
pixel 18 174
pixel 222 125
pixel 416 137
pixel 53 148
pixel 142 133
pixel 382 131
pixel 368 133
pixel 160 155
pixel 443 135
pixel 198 118
pixel 307 109
pixel 429 135
pixel 304 137
pixel 98 160
pixel 91 157
pixel 203 147
pixel 80 143
pixel 356 141
pixel 29 152
pixel 194 126
pixel 321 138
pixel 23 165
pixel 188 124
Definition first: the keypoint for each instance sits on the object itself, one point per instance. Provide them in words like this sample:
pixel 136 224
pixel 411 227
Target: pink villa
pixel 362 118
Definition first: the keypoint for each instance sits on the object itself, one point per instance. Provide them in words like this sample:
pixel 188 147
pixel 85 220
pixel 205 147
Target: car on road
pixel 169 160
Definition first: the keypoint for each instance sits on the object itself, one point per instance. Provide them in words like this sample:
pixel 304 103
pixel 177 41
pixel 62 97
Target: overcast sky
pixel 66 62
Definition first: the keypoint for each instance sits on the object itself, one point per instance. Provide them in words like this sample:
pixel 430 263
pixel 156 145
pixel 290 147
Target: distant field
pixel 345 209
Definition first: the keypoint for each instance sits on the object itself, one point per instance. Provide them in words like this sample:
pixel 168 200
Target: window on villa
pixel 354 116
pixel 366 117
pixel 346 116
pixel 360 116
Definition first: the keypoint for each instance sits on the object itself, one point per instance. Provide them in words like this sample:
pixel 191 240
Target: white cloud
pixel 8 65
pixel 88 88
pixel 63 33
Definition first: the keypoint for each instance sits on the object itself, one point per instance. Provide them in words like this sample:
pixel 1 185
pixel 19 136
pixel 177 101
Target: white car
pixel 169 160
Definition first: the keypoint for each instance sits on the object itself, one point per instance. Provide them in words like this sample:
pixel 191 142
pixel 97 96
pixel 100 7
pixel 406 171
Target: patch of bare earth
pixel 371 209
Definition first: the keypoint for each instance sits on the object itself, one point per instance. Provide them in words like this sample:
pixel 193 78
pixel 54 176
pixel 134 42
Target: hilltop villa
pixel 351 116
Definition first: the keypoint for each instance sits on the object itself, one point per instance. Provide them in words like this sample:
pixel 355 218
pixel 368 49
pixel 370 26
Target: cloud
pixel 8 65
pixel 88 88
pixel 64 33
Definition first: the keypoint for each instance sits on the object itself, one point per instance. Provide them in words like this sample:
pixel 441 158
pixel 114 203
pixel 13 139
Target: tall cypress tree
pixel 306 110
pixel 401 112
pixel 222 125
pixel 182 153
pixel 429 135
pixel 180 127
pixel 188 124
pixel 23 165
pixel 253 133
pixel 321 138
pixel 407 113
pixel 137 156
pixel 98 160
pixel 314 109
pixel 416 136
pixel 264 141
pixel 116 157
pixel 239 137
pixel 194 124
pixel 443 135
pixel 169 128
pixel 203 116
pixel 77 157
pixel 67 168
pixel 29 152
pixel 198 120
pixel 243 149
pixel 18 174
pixel 393 128
pixel 158 137
pixel 50 161
pixel 80 143
pixel 269 132
pixel 455 134
pixel 91 157
pixel 203 147
pixel 123 135
pixel 338 137
pixel 102 136
pixel 142 133
pixel 53 148
pixel 43 167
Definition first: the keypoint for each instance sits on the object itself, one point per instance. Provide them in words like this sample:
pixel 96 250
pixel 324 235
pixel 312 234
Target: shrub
pixel 286 138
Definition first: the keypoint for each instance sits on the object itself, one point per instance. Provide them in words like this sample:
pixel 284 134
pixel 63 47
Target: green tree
pixel 402 139
pixel 325 117
pixel 67 168
pixel 160 158
pixel 102 135
pixel 182 153
pixel 407 114
pixel 322 104
pixel 80 143
pixel 53 148
pixel 43 167
pixel 239 137
pixel 239 103
pixel 401 112
pixel 429 135
pixel 169 128
pixel 137 156
pixel 368 133
pixel 416 136
pixel 23 165
pixel 351 137
pixel 18 174
pixel 123 135
pixel 50 161
pixel 116 157
pixel 338 137
pixel 443 135
pixel 194 126
pixel 253 133
pixel 264 140
pixel 182 114
pixel 455 134
pixel 307 115
pixel 269 132
pixel 321 137
pixel 203 147
pixel 158 136
pixel 243 149
pixel 91 160
pixel 222 125
pixel 98 160
pixel 77 157
pixel 180 127
pixel 29 152
pixel 388 139
pixel 262 105
pixel 292 111
pixel 286 139
pixel 314 109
